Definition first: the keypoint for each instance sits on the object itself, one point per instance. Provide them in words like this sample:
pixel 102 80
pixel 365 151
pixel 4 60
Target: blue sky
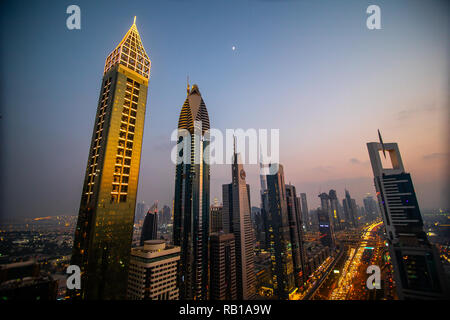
pixel 309 68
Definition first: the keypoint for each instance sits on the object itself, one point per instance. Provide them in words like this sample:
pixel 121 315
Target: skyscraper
pixel 350 211
pixel 237 220
pixel 150 226
pixel 418 271
pixel 305 212
pixel 370 207
pixel 141 209
pixel 191 203
pixel 104 229
pixel 279 244
pixel 296 234
pixel 223 267
pixel 335 209
pixel 324 217
pixel 326 232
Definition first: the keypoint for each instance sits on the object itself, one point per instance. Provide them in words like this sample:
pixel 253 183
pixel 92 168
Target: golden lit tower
pixel 105 222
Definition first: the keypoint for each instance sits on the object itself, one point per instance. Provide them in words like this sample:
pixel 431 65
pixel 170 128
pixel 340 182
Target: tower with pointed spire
pixel 104 229
pixel 237 220
pixel 191 199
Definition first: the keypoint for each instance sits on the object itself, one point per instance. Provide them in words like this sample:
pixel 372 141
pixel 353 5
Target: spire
pixel 134 21
pixel 382 144
pixel 188 87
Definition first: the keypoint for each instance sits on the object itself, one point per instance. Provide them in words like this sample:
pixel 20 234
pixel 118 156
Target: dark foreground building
pixel 418 271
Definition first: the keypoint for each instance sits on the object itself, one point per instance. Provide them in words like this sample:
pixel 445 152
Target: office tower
pixel 326 232
pixel 279 244
pixel 418 271
pixel 237 220
pixel 216 219
pixel 350 213
pixel 370 207
pixel 296 234
pixel 335 209
pixel 104 229
pixel 153 272
pixel 191 202
pixel 24 281
pixel 305 212
pixel 150 226
pixel 141 209
pixel 223 266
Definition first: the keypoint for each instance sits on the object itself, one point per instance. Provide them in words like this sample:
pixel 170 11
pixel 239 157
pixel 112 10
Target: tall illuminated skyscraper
pixel 279 244
pixel 104 229
pixel 191 203
pixel 237 220
pixel 418 270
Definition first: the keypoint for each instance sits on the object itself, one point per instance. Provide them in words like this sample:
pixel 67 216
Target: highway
pixel 311 292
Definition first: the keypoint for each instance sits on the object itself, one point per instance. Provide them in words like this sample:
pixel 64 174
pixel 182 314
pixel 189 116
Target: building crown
pixel 130 53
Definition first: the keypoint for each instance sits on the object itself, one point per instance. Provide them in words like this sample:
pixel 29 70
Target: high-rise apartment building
pixel 153 272
pixel 418 271
pixel 191 201
pixel 104 229
pixel 223 266
pixel 237 220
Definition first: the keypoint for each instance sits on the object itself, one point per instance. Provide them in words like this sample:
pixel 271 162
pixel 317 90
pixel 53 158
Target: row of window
pixel 93 161
pixel 125 145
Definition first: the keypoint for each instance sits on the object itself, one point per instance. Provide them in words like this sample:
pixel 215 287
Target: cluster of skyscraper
pixel 213 259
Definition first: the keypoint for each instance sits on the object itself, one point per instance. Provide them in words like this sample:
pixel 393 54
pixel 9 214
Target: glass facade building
pixel 104 230
pixel 191 201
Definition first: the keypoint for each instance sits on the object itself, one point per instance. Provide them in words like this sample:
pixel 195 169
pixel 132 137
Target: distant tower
pixel 305 212
pixel 191 203
pixel 237 220
pixel 296 234
pixel 335 209
pixel 417 268
pixel 223 267
pixel 279 235
pixel 370 207
pixel 326 229
pixel 104 231
pixel 150 226
pixel 350 210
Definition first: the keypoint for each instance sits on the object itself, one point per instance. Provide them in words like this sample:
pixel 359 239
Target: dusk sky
pixel 311 69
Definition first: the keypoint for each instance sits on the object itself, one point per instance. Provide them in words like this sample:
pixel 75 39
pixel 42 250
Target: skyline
pixel 334 160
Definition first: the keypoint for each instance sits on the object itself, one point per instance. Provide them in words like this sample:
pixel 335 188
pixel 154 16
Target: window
pixel 123 198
